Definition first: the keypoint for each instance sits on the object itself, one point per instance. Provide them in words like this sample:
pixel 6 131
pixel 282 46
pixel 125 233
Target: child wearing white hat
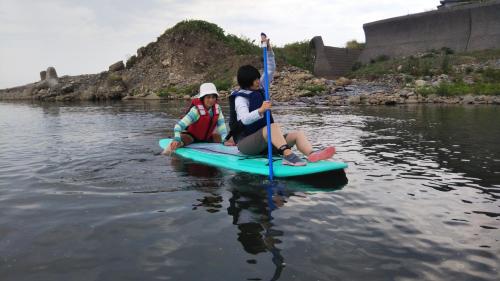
pixel 204 122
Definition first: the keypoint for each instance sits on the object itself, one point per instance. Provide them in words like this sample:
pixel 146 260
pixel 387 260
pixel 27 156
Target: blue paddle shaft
pixel 268 117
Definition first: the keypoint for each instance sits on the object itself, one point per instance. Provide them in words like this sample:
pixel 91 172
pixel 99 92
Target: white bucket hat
pixel 207 89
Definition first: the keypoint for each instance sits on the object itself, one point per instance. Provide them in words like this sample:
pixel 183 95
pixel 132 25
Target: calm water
pixel 85 195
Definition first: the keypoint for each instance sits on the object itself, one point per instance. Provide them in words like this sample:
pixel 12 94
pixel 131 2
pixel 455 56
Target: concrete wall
pixel 331 62
pixel 469 28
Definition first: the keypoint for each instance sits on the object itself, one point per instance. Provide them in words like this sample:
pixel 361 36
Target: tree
pixel 353 44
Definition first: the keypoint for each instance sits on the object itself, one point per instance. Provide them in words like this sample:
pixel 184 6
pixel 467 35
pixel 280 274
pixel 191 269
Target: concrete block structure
pixel 459 25
pixel 332 62
pixel 461 28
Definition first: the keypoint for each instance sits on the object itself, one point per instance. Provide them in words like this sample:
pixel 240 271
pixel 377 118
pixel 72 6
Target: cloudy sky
pixel 78 37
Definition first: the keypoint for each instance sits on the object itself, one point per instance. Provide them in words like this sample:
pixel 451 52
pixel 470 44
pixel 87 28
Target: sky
pixel 84 37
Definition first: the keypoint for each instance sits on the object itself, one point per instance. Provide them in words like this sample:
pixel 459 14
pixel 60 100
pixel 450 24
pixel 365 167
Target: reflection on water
pixel 85 195
pixel 250 208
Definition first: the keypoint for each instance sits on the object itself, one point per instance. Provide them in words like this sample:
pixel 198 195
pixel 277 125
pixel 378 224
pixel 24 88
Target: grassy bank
pixel 241 45
pixel 297 54
pixel 467 73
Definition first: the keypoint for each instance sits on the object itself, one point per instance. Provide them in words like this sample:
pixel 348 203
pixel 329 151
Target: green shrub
pixel 380 58
pixel 486 88
pixel 409 79
pixel 460 89
pixel 447 51
pixel 491 75
pixel 372 71
pixel 113 77
pixel 357 65
pixel 432 63
pixel 477 56
pixel 241 45
pixel 178 90
pixel 417 66
pixel 425 91
pixel 223 84
pixel 354 44
pixel 166 92
pixel 188 26
pixel 131 61
pixel 297 54
pixel 313 89
pixel 445 64
pixel 429 55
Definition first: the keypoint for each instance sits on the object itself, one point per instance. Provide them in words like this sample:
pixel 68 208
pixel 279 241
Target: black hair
pixel 202 98
pixel 246 75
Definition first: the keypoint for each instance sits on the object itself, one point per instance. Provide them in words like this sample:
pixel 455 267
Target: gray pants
pixel 255 144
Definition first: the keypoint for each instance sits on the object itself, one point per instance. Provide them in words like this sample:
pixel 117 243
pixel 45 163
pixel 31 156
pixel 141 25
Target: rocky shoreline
pixel 291 85
pixel 190 53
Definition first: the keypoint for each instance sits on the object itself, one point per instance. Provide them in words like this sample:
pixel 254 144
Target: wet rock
pixel 488 99
pixel 468 99
pixel 65 98
pixel 354 100
pixel 335 100
pixel 431 98
pixel 412 100
pixel 404 93
pixel 454 100
pixel 89 93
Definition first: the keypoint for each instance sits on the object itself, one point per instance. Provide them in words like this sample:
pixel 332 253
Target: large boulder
pixel 117 66
pixel 140 52
pixel 420 83
pixel 354 100
pixel 342 81
pixel 468 99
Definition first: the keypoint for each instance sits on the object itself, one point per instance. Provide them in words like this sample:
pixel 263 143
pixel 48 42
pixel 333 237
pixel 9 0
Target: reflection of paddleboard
pixel 229 157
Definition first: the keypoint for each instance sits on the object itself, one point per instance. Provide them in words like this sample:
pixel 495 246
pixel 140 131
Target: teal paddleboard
pixel 229 157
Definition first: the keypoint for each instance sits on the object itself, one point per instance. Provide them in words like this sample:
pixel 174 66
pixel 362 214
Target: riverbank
pixel 189 53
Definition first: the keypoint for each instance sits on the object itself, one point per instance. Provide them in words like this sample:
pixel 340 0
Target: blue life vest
pixel 255 100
